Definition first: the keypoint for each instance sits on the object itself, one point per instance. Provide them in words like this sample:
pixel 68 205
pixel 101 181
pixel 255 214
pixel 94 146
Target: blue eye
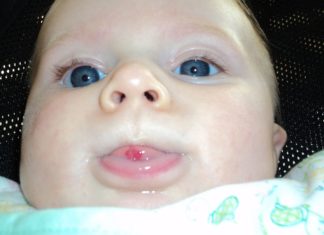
pixel 197 68
pixel 83 76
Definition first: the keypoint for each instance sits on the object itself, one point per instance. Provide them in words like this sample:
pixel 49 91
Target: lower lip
pixel 140 162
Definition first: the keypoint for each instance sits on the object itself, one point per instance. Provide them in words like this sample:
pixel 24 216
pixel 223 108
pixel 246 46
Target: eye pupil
pixel 194 70
pixel 85 78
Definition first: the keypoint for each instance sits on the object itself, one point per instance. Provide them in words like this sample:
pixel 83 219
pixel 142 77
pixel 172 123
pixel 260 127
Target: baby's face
pixel 143 103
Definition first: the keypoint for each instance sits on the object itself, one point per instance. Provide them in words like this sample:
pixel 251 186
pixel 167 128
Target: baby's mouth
pixel 140 162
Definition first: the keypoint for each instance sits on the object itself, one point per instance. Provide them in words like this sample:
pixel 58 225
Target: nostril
pixel 151 96
pixel 118 97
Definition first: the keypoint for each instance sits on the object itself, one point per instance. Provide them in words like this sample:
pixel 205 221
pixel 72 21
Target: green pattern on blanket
pixel 225 211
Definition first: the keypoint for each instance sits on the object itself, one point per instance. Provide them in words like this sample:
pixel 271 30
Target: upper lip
pixel 164 143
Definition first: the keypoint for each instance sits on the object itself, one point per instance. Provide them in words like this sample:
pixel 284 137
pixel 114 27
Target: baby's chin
pixel 141 199
pixel 144 200
pixel 131 200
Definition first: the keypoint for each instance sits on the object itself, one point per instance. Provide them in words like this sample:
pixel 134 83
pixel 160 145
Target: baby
pixel 156 117
pixel 144 103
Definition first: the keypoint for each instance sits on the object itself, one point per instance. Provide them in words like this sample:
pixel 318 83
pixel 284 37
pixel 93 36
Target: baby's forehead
pixel 224 15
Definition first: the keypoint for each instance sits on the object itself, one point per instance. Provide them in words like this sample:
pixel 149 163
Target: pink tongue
pixel 139 161
pixel 140 153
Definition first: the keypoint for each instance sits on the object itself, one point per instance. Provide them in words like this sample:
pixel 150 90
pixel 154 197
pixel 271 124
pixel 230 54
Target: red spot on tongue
pixel 134 154
pixel 140 162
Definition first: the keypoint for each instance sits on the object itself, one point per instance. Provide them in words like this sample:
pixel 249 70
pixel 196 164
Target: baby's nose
pixel 133 84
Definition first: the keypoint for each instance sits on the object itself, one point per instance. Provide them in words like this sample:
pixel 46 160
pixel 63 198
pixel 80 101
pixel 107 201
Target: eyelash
pixel 60 71
pixel 207 57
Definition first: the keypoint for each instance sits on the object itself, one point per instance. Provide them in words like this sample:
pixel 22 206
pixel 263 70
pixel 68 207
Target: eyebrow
pixel 212 31
pixel 206 32
pixel 180 31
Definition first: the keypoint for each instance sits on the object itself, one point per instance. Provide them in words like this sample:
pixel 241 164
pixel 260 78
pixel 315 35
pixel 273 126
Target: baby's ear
pixel 279 139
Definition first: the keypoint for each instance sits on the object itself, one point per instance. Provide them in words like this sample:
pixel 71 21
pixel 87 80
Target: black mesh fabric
pixel 294 29
pixel 20 22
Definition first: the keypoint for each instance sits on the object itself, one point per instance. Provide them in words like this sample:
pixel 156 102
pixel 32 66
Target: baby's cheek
pixel 43 135
pixel 54 137
pixel 48 117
